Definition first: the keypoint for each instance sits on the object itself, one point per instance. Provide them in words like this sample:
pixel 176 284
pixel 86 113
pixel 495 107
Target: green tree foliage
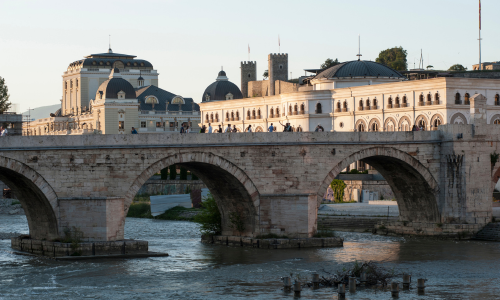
pixel 164 174
pixel 394 58
pixel 329 63
pixel 184 174
pixel 266 74
pixel 173 172
pixel 457 67
pixel 4 96
pixel 338 187
pixel 209 219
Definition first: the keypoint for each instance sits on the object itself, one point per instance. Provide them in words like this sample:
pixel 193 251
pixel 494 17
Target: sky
pixel 189 41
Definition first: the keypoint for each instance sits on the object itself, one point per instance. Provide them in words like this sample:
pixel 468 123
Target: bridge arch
pixel 231 187
pixel 415 188
pixel 37 197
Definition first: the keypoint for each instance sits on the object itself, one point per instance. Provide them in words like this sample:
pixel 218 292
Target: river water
pixel 455 270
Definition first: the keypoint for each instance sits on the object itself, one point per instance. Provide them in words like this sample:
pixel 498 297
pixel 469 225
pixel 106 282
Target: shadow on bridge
pixel 415 188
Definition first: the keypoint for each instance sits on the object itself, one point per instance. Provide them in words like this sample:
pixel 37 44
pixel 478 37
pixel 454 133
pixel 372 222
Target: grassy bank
pixel 143 210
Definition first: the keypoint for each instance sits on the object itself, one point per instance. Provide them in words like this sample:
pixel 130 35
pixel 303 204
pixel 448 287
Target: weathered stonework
pixel 273 181
pixel 237 241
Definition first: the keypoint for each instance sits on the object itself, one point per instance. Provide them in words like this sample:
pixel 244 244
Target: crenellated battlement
pixel 249 63
pixel 278 55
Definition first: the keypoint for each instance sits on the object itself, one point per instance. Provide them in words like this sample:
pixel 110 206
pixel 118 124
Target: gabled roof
pixel 163 97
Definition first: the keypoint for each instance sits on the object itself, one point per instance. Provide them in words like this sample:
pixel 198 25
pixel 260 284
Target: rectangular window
pixel 159 124
pixel 121 124
pixel 143 124
pixel 171 124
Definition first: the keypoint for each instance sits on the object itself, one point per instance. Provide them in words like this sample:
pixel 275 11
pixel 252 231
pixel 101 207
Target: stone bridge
pixel 274 181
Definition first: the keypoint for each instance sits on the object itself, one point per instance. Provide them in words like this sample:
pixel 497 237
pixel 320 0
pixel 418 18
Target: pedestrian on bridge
pixel 271 128
pixel 228 129
pixel 249 129
pixel 220 129
pixel 234 128
pixel 203 129
pixel 133 131
pixel 209 128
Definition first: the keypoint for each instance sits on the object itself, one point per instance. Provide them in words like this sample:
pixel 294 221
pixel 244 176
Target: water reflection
pixel 455 270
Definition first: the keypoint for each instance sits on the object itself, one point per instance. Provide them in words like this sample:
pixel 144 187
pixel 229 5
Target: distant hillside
pixel 42 111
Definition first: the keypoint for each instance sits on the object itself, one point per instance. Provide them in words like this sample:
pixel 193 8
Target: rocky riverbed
pixel 10 207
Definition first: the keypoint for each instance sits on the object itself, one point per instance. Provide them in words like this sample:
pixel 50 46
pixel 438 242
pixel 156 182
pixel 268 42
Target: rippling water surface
pixel 455 270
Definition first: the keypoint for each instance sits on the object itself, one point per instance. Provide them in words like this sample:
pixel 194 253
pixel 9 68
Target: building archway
pixel 404 124
pixel 237 194
pixel 415 188
pixel 458 118
pixel 37 197
pixel 390 124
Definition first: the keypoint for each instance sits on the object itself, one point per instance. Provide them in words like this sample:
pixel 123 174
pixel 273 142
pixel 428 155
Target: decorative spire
pixel 359 48
pixel 109 50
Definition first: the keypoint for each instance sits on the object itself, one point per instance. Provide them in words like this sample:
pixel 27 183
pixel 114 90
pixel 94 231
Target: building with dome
pixel 109 93
pixel 222 89
pixel 355 95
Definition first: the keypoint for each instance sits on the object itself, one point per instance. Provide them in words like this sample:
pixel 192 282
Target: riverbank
pixel 11 207
pixel 143 210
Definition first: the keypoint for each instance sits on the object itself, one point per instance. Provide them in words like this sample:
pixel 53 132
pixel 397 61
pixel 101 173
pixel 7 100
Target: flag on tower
pixel 248 48
pixel 279 40
pixel 479 14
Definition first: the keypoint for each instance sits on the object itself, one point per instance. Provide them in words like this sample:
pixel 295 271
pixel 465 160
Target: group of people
pixel 418 128
pixel 204 129
pixel 3 131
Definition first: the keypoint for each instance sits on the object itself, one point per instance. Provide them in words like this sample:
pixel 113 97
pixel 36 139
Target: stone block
pixel 15 243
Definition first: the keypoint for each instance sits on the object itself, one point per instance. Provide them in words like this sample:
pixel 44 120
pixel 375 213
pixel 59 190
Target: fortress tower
pixel 248 73
pixel 278 69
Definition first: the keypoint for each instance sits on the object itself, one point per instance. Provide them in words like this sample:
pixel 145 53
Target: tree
pixel 209 218
pixel 266 74
pixel 4 96
pixel 329 63
pixel 393 58
pixel 338 186
pixel 173 172
pixel 457 67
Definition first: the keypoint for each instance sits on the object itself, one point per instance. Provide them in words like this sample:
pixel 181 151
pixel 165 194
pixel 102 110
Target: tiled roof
pixel 112 86
pixel 219 89
pixel 164 97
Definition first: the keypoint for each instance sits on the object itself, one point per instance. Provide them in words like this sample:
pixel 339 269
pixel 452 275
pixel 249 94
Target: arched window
pixel 374 127
pixel 302 107
pixel 457 98
pixel 227 115
pixel 290 109
pixel 295 107
pixel 361 127
pixel 232 115
pixel 217 117
pixel 429 97
pixel 345 105
pixel 497 122
pixel 271 112
pixel 375 103
pixel 421 124
pixel 389 101
pixel 436 98
pixel 258 113
pixel 466 99
pixel 497 99
pixel 206 117
pixel 318 108
pixel 237 114
pixel 338 105
pixel 367 102
pixel 421 98
pixel 397 100
pixel 253 113
pixel 360 103
pixel 405 100
pixel 212 116
pixel 248 114
pixel 277 111
pixel 437 122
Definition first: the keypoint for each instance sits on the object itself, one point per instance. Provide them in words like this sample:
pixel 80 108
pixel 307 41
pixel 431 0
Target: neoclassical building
pixel 109 93
pixel 357 96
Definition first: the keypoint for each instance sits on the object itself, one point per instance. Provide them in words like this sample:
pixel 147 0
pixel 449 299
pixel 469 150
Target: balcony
pixel 428 103
pixel 396 105
pixel 389 105
pixel 421 103
pixel 301 112
pixel 367 107
pixel 271 116
pixel 360 108
pixel 374 107
pixel 338 110
pixel 436 102
pixel 467 102
pixel 458 102
pixel 344 109
pixel 295 113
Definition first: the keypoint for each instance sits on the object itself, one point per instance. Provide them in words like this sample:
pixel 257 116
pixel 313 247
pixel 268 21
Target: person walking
pixel 209 128
pixel 203 129
pixel 317 128
pixel 133 131
pixel 228 129
pixel 183 129
pixel 249 129
pixel 187 129
pixel 220 129
pixel 271 128
pixel 3 131
pixel 234 128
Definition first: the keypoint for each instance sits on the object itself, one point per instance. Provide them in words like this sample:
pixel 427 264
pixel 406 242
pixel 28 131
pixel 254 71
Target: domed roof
pixel 111 87
pixel 359 68
pixel 220 88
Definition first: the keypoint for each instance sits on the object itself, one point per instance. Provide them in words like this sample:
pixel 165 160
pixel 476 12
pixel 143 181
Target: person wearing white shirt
pixel 3 132
pixel 209 128
pixel 249 129
pixel 228 128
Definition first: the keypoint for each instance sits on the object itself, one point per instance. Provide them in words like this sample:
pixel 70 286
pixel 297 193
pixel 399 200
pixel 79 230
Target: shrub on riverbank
pixel 209 218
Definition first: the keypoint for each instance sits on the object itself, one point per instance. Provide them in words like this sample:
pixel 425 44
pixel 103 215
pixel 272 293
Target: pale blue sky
pixel 188 41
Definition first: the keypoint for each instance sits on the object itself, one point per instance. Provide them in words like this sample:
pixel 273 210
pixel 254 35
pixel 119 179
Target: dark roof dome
pixel 140 78
pixel 111 87
pixel 359 68
pixel 220 88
